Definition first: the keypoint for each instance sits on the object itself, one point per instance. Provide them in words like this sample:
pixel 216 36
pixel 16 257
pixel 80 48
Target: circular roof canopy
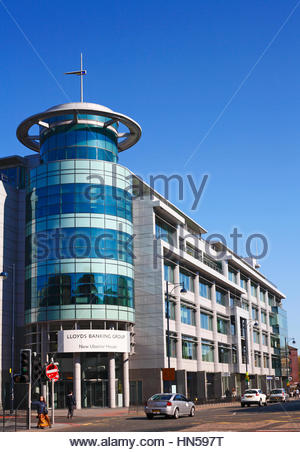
pixel 126 140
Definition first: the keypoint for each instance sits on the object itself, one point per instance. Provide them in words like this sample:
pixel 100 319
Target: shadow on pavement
pixel 290 406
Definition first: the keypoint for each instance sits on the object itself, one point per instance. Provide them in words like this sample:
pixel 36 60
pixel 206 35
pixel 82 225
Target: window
pixel 189 347
pixel 245 305
pixel 193 251
pixel 187 315
pixel 164 231
pixel 206 321
pixel 222 325
pixel 254 314
pixel 262 296
pixel 264 338
pixel 271 300
pixel 186 280
pixel 171 310
pixel 275 342
pixel 169 273
pixel 224 353
pixel 212 263
pixel 257 359
pixel 207 351
pixel 266 360
pixel 205 290
pixel 264 317
pixel 234 355
pixel 243 283
pixel 232 275
pixel 253 290
pixel 220 297
pixel 256 337
pixel 232 326
pixel 173 341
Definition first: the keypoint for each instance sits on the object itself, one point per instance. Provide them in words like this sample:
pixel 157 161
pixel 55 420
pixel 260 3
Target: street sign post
pixel 53 375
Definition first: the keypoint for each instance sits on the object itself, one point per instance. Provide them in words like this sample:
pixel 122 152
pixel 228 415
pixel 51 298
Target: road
pixel 276 417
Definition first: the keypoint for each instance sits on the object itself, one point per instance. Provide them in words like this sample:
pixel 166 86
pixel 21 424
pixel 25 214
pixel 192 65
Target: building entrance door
pixel 94 393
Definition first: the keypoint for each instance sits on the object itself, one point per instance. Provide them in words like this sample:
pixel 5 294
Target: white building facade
pixel 220 329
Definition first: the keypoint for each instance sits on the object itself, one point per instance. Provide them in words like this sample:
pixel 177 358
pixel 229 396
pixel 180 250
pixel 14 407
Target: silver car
pixel 169 405
pixel 278 395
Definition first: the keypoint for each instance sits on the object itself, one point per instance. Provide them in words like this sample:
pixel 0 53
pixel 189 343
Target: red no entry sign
pixel 52 372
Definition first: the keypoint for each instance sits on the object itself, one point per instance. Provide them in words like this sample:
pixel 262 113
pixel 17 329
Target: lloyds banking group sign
pixel 72 341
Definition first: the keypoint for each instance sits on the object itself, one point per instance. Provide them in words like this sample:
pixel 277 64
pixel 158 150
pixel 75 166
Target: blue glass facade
pixel 78 141
pixel 79 257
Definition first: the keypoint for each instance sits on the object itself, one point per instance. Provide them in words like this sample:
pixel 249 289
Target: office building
pixel 92 251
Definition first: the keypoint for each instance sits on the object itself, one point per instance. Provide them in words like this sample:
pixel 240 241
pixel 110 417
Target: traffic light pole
pixel 29 406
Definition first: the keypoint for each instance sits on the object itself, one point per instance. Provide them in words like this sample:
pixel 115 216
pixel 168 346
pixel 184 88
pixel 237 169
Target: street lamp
pixel 246 323
pixel 183 290
pixel 287 361
pixel 4 275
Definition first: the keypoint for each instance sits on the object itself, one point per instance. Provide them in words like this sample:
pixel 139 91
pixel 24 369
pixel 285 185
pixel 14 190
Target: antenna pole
pixel 81 79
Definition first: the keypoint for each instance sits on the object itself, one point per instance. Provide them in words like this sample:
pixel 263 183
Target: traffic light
pixel 247 378
pixel 36 370
pixel 25 365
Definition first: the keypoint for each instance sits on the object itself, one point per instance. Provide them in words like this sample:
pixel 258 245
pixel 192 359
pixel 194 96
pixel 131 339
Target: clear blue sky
pixel 173 66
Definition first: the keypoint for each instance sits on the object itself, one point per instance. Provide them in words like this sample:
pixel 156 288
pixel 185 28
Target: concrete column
pixel 179 364
pixel 215 328
pixel 238 278
pixel 198 324
pixel 112 380
pixel 77 379
pixel 225 268
pixel 126 379
pixel 44 350
pixel 269 329
pixel 260 331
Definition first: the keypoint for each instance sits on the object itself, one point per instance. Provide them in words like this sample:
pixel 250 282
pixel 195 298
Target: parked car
pixel 170 405
pixel 253 397
pixel 278 395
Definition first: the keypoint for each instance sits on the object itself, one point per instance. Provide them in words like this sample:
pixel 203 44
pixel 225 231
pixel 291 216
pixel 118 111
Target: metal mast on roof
pixel 81 73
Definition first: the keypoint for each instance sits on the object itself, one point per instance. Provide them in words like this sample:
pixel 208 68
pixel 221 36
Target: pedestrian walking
pixel 233 393
pixel 227 393
pixel 297 393
pixel 42 413
pixel 71 403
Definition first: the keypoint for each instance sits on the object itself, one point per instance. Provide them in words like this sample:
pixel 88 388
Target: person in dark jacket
pixel 42 412
pixel 70 402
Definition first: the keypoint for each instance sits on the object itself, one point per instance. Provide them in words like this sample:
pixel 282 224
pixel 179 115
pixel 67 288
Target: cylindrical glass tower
pixel 79 257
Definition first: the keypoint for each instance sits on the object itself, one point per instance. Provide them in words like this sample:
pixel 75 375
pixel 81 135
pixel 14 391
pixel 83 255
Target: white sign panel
pixel 72 341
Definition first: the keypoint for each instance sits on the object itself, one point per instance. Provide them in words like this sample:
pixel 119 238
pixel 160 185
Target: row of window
pixel 78 135
pixel 188 316
pixel 65 243
pixel 226 354
pixel 79 288
pixel 82 152
pixel 78 198
pixel 187 280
